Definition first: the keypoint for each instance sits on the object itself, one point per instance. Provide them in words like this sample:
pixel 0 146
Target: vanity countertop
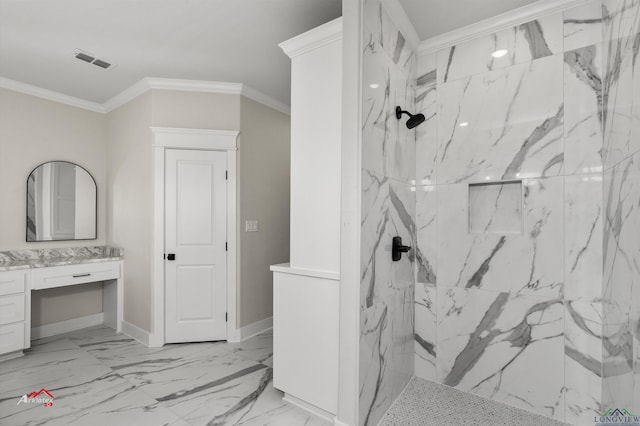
pixel 42 258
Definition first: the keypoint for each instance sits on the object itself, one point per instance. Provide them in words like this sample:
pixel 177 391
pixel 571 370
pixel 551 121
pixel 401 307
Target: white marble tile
pixel 426 136
pixel 219 397
pixel 621 18
pixel 530 263
pixel 388 209
pixel 387 311
pixel 583 361
pixel 505 124
pixel 259 348
pixel 617 357
pixel 502 346
pixel 386 353
pixel 635 331
pixel 388 147
pixel 403 348
pixel 125 354
pixel 426 238
pixel 621 229
pixel 107 400
pixel 619 100
pixel 379 27
pixel 85 390
pixel 583 219
pixel 401 163
pixel 495 208
pixel 425 331
pixel 214 384
pixel 635 107
pixel 270 410
pixel 426 133
pixel 523 43
pixel 199 382
pixel 379 124
pixel 426 69
pixel 583 25
pixel 376 392
pixel 583 115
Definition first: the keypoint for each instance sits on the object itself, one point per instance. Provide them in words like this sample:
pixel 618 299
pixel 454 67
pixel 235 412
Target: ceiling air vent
pixel 84 57
pixel 101 63
pixel 91 58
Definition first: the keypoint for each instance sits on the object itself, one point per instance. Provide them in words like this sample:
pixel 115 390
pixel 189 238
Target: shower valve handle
pixel 397 249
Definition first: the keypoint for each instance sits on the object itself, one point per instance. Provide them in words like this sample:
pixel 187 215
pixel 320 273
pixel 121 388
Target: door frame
pixel 196 139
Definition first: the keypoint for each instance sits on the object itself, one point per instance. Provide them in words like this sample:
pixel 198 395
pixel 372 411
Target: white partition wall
pixel 306 290
pixel 316 126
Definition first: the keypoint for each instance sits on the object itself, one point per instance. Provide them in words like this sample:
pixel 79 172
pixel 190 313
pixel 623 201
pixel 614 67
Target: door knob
pixel 171 256
pixel 397 249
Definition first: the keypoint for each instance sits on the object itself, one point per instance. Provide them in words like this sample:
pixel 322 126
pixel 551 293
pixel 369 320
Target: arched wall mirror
pixel 61 203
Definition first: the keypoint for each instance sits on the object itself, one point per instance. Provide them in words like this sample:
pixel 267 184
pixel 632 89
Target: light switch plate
pixel 251 226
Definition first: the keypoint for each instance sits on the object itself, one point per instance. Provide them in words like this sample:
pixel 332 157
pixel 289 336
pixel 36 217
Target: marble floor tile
pixel 258 348
pixel 99 377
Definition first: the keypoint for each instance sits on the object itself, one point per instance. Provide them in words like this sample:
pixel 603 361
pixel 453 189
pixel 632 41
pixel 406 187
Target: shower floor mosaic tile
pixel 98 377
pixel 425 403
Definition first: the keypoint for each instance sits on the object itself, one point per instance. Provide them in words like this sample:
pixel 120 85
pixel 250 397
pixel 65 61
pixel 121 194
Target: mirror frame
pixel 26 215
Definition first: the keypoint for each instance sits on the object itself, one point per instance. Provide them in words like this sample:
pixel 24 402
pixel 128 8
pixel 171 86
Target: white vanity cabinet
pixel 16 287
pixel 13 306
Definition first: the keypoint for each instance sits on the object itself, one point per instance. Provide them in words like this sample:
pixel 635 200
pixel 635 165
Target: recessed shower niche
pixel 495 208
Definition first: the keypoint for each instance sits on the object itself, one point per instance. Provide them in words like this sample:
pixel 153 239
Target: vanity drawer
pixel 60 276
pixel 11 337
pixel 12 282
pixel 11 309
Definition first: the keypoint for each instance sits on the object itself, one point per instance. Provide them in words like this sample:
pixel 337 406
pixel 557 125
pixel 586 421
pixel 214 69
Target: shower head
pixel 413 121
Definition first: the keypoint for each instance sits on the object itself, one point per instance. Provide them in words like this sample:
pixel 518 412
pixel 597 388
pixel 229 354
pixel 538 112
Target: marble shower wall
pixel 509 300
pixel 388 210
pixel 621 154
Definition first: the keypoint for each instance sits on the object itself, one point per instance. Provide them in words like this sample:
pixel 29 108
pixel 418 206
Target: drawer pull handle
pixel 81 275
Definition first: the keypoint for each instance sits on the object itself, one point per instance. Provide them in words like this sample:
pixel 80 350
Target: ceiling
pixel 434 17
pixel 216 40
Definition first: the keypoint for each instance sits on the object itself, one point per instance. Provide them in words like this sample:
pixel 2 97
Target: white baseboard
pixel 251 330
pixel 135 332
pixel 337 422
pixel 11 355
pixel 316 411
pixel 61 327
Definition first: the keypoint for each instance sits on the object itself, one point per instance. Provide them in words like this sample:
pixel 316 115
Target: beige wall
pixel 117 149
pixel 65 303
pixel 130 177
pixel 264 166
pixel 33 131
pixel 196 110
pixel 129 202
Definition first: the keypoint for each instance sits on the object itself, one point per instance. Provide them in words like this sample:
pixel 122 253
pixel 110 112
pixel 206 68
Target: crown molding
pixel 127 95
pixel 260 97
pixel 399 17
pixel 50 95
pixel 500 22
pixel 201 86
pixel 194 85
pixel 313 39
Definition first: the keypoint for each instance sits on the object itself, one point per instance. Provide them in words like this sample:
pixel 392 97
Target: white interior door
pixel 195 246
